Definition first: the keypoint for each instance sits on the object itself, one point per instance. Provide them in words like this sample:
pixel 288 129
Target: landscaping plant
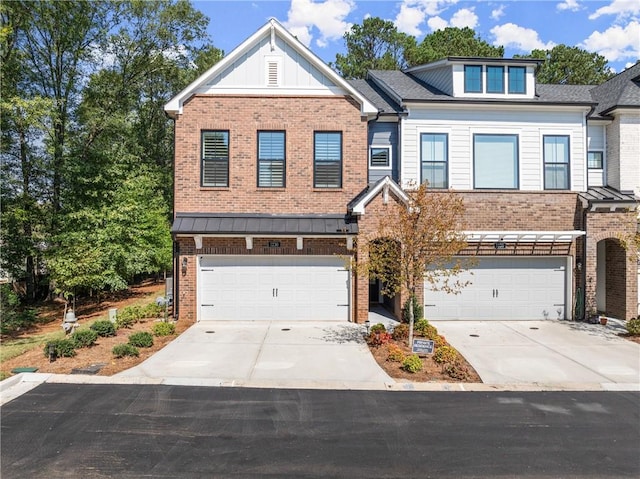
pixel 633 326
pixel 62 348
pixel 122 350
pixel 445 354
pixel 84 338
pixel 143 339
pixel 395 353
pixel 412 363
pixel 104 328
pixel 164 329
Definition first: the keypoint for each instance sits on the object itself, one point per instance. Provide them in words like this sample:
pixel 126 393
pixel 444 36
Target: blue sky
pixel 610 27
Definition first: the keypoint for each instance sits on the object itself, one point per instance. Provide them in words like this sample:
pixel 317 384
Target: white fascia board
pixel 523 236
pixel 388 183
pixel 174 106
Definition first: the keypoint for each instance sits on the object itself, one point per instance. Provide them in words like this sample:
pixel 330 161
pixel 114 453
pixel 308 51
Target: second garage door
pixel 273 288
pixel 505 288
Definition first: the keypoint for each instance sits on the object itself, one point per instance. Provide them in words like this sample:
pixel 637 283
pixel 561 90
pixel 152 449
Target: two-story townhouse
pixel 270 147
pixel 545 204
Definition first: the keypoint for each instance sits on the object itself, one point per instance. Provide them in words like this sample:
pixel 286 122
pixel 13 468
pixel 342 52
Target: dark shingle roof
pixel 257 224
pixel 623 90
pixel 375 95
pixel 409 88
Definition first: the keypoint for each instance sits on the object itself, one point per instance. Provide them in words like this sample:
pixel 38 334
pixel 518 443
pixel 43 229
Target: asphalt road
pixel 134 431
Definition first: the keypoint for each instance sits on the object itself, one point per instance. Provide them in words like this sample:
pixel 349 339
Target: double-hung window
pixel 495 161
pixel 594 160
pixel 271 159
pixel 556 162
pixel 434 159
pixel 215 158
pixel 327 159
pixel 473 78
pixel 517 82
pixel 495 79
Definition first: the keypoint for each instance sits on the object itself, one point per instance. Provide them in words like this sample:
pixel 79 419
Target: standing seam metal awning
pixel 522 236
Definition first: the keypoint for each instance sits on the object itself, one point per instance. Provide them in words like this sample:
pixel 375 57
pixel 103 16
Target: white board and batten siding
pixel 273 288
pixel 257 68
pixel 462 124
pixel 596 141
pixel 507 288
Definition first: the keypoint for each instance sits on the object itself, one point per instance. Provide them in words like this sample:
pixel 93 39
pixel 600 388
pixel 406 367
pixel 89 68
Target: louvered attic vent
pixel 272 73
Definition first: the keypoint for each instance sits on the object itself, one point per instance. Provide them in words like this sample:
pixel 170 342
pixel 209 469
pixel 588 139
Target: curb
pixel 22 383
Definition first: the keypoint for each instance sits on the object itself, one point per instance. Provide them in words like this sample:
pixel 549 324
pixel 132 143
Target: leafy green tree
pixel 571 66
pixel 414 243
pixel 374 45
pixel 450 41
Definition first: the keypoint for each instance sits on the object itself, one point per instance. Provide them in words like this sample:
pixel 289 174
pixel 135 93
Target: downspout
pixel 176 279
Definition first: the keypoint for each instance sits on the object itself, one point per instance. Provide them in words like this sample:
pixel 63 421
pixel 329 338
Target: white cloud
pixel 498 13
pixel 409 18
pixel 571 5
pixel 616 43
pixel 465 17
pixel 437 23
pixel 515 36
pixel 414 12
pixel 327 16
pixel 620 8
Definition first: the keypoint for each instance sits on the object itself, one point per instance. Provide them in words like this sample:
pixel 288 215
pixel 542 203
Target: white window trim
pixel 572 160
pixel 494 131
pixel 386 147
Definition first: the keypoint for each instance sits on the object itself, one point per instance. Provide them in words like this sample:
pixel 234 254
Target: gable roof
pixel 357 205
pixel 271 28
pixel 621 91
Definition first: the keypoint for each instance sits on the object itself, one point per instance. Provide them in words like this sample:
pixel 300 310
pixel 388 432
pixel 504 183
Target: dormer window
pixel 473 79
pixel 495 79
pixel 517 81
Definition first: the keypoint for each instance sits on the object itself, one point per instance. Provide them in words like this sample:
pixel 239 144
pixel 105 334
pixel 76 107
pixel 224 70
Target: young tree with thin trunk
pixel 417 242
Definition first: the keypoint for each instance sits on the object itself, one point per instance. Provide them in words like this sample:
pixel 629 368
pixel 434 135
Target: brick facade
pixel 243 117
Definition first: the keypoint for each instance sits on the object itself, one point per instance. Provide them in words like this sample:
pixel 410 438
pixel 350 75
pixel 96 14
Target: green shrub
pixel 164 329
pixel 13 317
pixel 377 339
pixel 445 354
pixel 62 348
pixel 152 310
pixel 420 325
pixel 412 363
pixel 418 310
pixel 456 370
pixel 378 328
pixel 104 328
pixel 400 332
pixel 122 350
pixel 633 326
pixel 84 338
pixel 142 339
pixel 395 353
pixel 439 341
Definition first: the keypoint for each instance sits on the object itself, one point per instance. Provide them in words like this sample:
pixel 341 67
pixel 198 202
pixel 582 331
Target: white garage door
pixel 505 288
pixel 273 288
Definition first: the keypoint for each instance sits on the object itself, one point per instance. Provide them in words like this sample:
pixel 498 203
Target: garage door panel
pixel 505 288
pixel 273 288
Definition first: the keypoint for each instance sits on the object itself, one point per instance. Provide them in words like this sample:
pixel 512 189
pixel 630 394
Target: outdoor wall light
pixel 579 265
pixel 184 266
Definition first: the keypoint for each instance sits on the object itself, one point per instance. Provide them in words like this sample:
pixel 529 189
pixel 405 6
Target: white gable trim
pixel 272 27
pixel 383 186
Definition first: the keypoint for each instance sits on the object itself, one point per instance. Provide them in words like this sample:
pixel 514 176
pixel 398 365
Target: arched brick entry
pixel 611 278
pixel 611 274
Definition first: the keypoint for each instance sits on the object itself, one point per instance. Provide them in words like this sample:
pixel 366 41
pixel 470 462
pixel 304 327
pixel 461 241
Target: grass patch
pixel 12 348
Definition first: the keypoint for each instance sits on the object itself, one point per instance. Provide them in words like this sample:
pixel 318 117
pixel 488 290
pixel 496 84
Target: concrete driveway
pixel 267 354
pixel 549 353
